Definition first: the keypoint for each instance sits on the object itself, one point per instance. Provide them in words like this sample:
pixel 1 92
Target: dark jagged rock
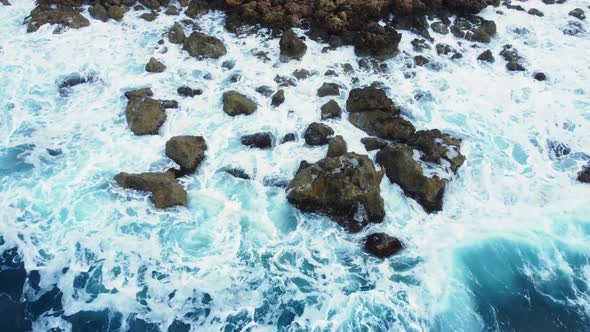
pixel 186 91
pixel 235 103
pixel 331 110
pixel 318 134
pixel 420 60
pixel 98 12
pixel 200 45
pixel 513 59
pixel 382 245
pixel 486 56
pixel 144 92
pixel 345 188
pixel 154 66
pixel 373 143
pixel 540 76
pixel 258 140
pixel 265 90
pixel 73 80
pixel 535 12
pixel 187 151
pixel 377 41
pixel 278 98
pixel 474 28
pixel 238 173
pixel 61 15
pixel 144 115
pixel 440 27
pixel 420 45
pixel 290 137
pixel 584 174
pixel 163 187
pixel 438 147
pixel 337 147
pixel 558 149
pixel 402 169
pixel 292 47
pixel 169 103
pixel 176 34
pixel 578 13
pixel 329 89
pixel 370 99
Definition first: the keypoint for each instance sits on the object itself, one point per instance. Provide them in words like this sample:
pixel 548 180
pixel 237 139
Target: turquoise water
pixel 510 251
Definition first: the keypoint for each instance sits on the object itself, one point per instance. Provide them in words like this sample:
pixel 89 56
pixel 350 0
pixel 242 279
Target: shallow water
pixel 510 251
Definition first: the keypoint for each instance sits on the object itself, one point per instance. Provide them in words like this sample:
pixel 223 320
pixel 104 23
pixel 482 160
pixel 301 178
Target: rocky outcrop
pixel 187 151
pixel 165 191
pixel 154 66
pixel 144 115
pixel 62 15
pixel 345 188
pixel 438 148
pixel 258 140
pixel 235 103
pixel 200 45
pixel 372 111
pixel 402 169
pixel 318 134
pixel 382 245
pixel 292 47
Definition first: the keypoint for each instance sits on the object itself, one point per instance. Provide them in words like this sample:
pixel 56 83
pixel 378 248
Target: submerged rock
pixel 187 151
pixel 62 15
pixel 154 66
pixel 345 188
pixel 163 187
pixel 145 115
pixel 402 169
pixel 258 140
pixel 382 245
pixel 238 173
pixel 73 80
pixel 200 45
pixel 584 174
pixel 235 103
pixel 292 47
pixel 318 134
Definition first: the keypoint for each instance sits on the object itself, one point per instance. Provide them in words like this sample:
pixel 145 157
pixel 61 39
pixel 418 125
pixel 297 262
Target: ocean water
pixel 510 251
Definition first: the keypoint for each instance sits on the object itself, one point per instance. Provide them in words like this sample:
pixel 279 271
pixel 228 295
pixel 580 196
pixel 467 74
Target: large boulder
pixel 318 134
pixel 187 151
pixel 346 188
pixel 145 115
pixel 382 245
pixel 166 192
pixel 176 34
pixel 402 169
pixel 370 99
pixel 235 103
pixel 438 147
pixel 292 47
pixel 200 45
pixel 331 110
pixel 258 140
pixel 154 66
pixel 63 16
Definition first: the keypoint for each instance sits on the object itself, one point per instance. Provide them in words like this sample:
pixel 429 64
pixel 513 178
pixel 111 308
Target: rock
pixel 535 12
pixel 235 103
pixel 197 8
pixel 292 47
pixel 186 91
pixel 264 90
pixel 420 60
pixel 486 56
pixel 176 34
pixel 318 134
pixel 149 16
pixel 378 42
pixel 163 187
pixel 154 66
pixel 578 13
pixel 438 147
pixel 584 174
pixel 116 12
pixel 187 151
pixel 228 64
pixel 258 140
pixel 402 169
pixel 440 28
pixel 72 80
pixel 63 16
pixel 382 245
pixel 290 137
pixel 474 28
pixel 420 45
pixel 202 46
pixel 238 173
pixel 329 89
pixel 558 149
pixel 370 99
pixel 331 110
pixel 98 12
pixel 169 103
pixel 144 92
pixel 512 58
pixel 302 165
pixel 172 11
pixel 540 76
pixel 5 3
pixel 337 147
pixel 346 188
pixel 151 4
pixel 144 115
pixel 373 143
pixel 301 74
pixel 278 98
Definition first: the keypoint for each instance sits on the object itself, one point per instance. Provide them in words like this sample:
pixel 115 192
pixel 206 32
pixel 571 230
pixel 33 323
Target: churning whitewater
pixel 510 251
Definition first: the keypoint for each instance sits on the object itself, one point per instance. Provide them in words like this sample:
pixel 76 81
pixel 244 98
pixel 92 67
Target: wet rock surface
pixel 336 147
pixel 438 148
pixel 154 66
pixel 235 103
pixel 318 134
pixel 291 46
pixel 144 115
pixel 382 245
pixel 584 174
pixel 258 140
pixel 200 45
pixel 165 192
pixel 345 188
pixel 62 15
pixel 187 151
pixel 513 59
